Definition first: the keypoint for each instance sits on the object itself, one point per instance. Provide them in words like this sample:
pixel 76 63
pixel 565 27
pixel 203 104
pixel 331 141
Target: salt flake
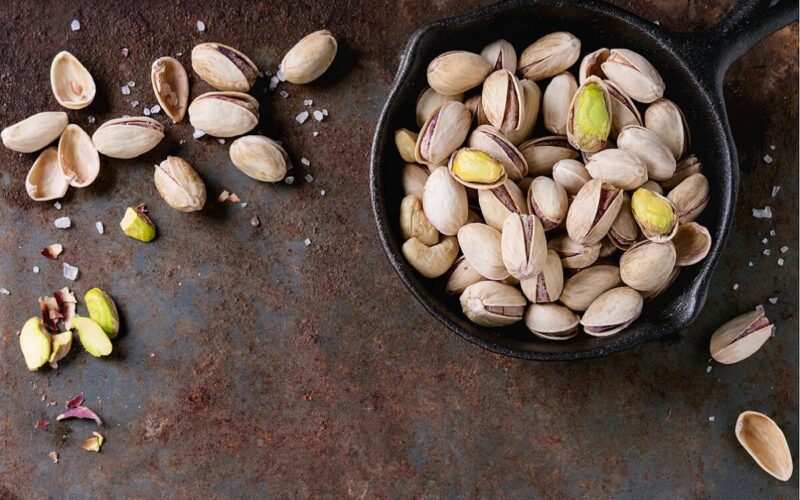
pixel 750 264
pixel 5 291
pixel 775 191
pixel 284 94
pixel 308 102
pixel 305 161
pixel 75 25
pixel 318 116
pixel 780 262
pixel 767 251
pixel 99 226
pixel 772 147
pixel 126 90
pixel 146 111
pixel 765 241
pixel 708 369
pixel 288 179
pixel 322 192
pixel 131 83
pixel 57 205
pixel 134 104
pixel 70 272
pixel 302 117
pixel 309 178
pixel 784 249
pixel 773 300
pixel 62 222
pixel 198 133
pixel 767 159
pixel 35 269
pixel 91 119
pixel 221 141
pixel 712 419
pixel 155 109
pixel 736 286
pixel 762 213
pixel 201 26
pixel 316 133
pixel 307 242
pixel 273 83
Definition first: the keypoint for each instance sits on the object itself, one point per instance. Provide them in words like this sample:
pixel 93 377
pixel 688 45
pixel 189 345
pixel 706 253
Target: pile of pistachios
pixel 578 226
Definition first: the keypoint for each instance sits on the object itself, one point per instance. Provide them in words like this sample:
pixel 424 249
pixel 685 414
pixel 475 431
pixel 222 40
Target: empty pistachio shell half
pixel 501 55
pixel 492 304
pixel 179 185
pixel 171 86
pixel 477 169
pixel 35 343
pixel 623 109
pixel 429 101
pixel 541 154
pixel 481 245
pixel 406 142
pixel 137 224
pixel 648 146
pixel 103 311
pixel 442 133
pixel 35 132
pixel 654 214
pixel 618 167
pixel 224 114
pixel 591 64
pixel 589 116
pixel 556 101
pixel 445 202
pixel 414 224
pixel 413 178
pixel 574 255
pixel 766 443
pixel 91 335
pixel 72 83
pixel 530 113
pixel 571 175
pixel 624 231
pixel 503 100
pixel 523 246
pixel 612 312
pixel 309 58
pixel 462 275
pixel 692 244
pixel 45 180
pixel 128 137
pixel 431 261
pixel 457 71
pixel 549 55
pixel 78 157
pixel 60 345
pixel 498 202
pixel 687 167
pixel 260 158
pixel 741 337
pixel 223 67
pixel 690 197
pixel 546 286
pixel 593 210
pixel 647 265
pixel 489 139
pixel 551 321
pixel 634 75
pixel 581 289
pixel 548 201
pixel 666 119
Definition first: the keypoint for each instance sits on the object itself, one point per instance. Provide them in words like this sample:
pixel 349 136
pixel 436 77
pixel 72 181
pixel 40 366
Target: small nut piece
pixel 223 67
pixel 482 247
pixel 549 55
pixel 592 212
pixel 406 142
pixel 309 58
pixel 171 86
pixel 103 311
pixel 71 82
pixel 666 119
pixel 260 158
pixel 647 265
pixel 128 137
pixel 60 345
pixel 541 154
pixel 584 287
pixel 612 312
pixel 91 335
pixel 445 202
pixel 648 146
pixel 634 75
pixel 414 224
pixel 224 114
pixel 179 185
pixel 35 132
pixel 477 169
pixel 589 117
pixel 766 443
pixel 690 197
pixel 548 201
pixel 35 343
pixel 654 214
pixel 546 286
pixel 137 224
pixel 492 304
pixel 93 443
pixel 551 321
pixel 45 180
pixel 442 134
pixel 556 101
pixel 619 168
pixel 523 246
pixel 741 337
pixel 431 261
pixel 457 71
pixel 78 157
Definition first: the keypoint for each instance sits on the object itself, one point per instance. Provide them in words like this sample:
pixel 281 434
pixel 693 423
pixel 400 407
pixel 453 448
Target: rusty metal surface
pixel 252 364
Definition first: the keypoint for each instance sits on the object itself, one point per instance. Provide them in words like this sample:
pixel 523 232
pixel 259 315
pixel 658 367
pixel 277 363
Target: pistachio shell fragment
pixel 501 55
pixel 477 169
pixel 490 140
pixel 103 311
pixel 413 178
pixel 654 214
pixel 72 84
pixel 571 175
pixel 548 201
pixel 766 443
pixel 497 203
pixel 618 167
pixel 666 119
pixel 462 275
pixel 741 337
pixel 647 265
pixel 78 157
pixel 414 224
pixel 457 71
pixel 593 210
pixel 648 146
pixel 171 86
pixel 690 197
pixel 137 224
pixel 406 142
pixel 634 75
pixel 541 154
pixel 546 286
pixel 589 117
pixel 224 114
pixel 492 304
pixel 429 101
pixel 179 185
pixel 35 132
pixel 692 244
pixel 591 64
pixel 431 261
pixel 612 312
pixel 128 137
pixel 34 341
pixel 556 101
pixel 309 58
pixel 549 55
pixel 581 289
pixel 482 246
pixel 260 158
pixel 91 335
pixel 523 246
pixel 224 67
pixel 445 202
pixel 551 321
pixel 442 133
pixel 45 180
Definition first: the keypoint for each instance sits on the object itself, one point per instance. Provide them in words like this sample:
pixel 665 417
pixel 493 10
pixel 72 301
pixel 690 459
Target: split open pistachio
pixel 612 312
pixel 128 137
pixel 548 201
pixel 72 83
pixel 492 304
pixel 35 132
pixel 501 55
pixel 618 167
pixel 260 158
pixel 445 202
pixel 497 203
pixel 549 55
pixel 583 288
pixel 224 67
pixel 442 134
pixel 690 197
pixel 224 114
pixel 547 285
pixel 589 116
pixel 687 167
pixel 482 246
pixel 490 140
pixel 310 58
pixel 648 146
pixel 634 75
pixel 647 265
pixel 503 101
pixel 574 255
pixel 523 246
pixel 741 337
pixel 477 169
pixel 571 175
pixel 591 64
pixel 593 211
pixel 623 109
pixel 655 215
pixel 556 102
pixel 171 86
pixel 462 275
pixel 179 185
pixel 541 154
pixel 624 231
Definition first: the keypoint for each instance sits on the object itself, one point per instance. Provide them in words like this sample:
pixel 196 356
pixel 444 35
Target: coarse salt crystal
pixel 288 179
pixel 750 264
pixel 125 51
pixel 198 133
pixel 273 83
pixel 99 226
pixel 75 25
pixel 322 192
pixel 308 102
pixel 318 116
pixel 765 241
pixel 772 147
pixel 775 191
pixel 767 159
pixel 302 117
pixel 766 251
pixel 773 300
pixel 126 90
pixel 146 111
pixel 221 141
pixel 4 291
pixel 780 262
pixel 736 286
pixel 91 119
pixel 70 272
pixel 57 205
pixel 762 213
pixel 155 109
pixel 307 241
pixel 284 94
pixel 131 83
pixel 305 161
pixel 128 116
pixel 243 204
pixel 708 369
pixel 134 104
pixel 309 178
pixel 36 269
pixel 712 419
pixel 784 249
pixel 772 232
pixel 201 26
pixel 254 221
pixel 325 112
pixel 316 133
pixel 62 222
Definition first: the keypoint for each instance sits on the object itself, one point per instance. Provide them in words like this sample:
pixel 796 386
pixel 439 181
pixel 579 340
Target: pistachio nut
pixel 260 158
pixel 589 116
pixel 574 255
pixel 692 243
pixel 618 167
pixel 224 67
pixel 103 311
pixel 477 169
pixel 623 109
pixel 224 114
pixel 688 166
pixel 71 82
pixel 492 304
pixel 137 224
pixel 429 101
pixel 475 108
pixel 128 137
pixel 445 202
pixel 457 71
pixel 741 337
pixel 179 185
pixel 501 55
pixel 414 224
pixel 406 142
pixel 530 113
pixel 663 286
pixel 489 139
pixel 91 335
pixel 541 154
pixel 593 210
pixel 34 341
pixel 571 175
pixel 690 197
pixel 413 177
pixel 45 180
pixel 482 245
pixel 647 265
pixel 171 86
pixel 503 100
pixel 431 261
pixel 93 443
pixel 612 312
pixel 309 58
pixel 549 55
pixel 634 75
pixel 654 214
pixel 624 231
pixel 591 64
pixel 523 246
pixel 462 275
pixel 666 119
pixel 648 146
pixel 653 186
pixel 556 101
pixel 35 132
pixel 766 443
pixel 548 201
pixel 497 203
pixel 78 157
pixel 60 345
pixel 547 285
pixel 442 133
pixel 551 321
pixel 581 289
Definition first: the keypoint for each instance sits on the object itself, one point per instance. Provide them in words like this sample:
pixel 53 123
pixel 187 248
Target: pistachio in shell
pixel 556 101
pixel 501 55
pixel 766 443
pixel 414 224
pixel 741 337
pixel 475 106
pixel 413 178
pixel 445 202
pixel 482 247
pixel 530 113
pixel 547 285
pixel 687 167
pixel 224 67
pixel 72 84
pixel 45 180
pixel 551 321
pixel 663 286
pixel 574 255
pixel 653 186
pixel 224 114
pixel 634 75
pixel 690 197
pixel 457 71
pixel 593 210
pixel 493 141
pixel 406 142
pixel 692 244
pixel 548 201
pixel 523 246
pixel 581 289
pixel 171 86
pixel 477 169
pixel 666 119
pixel 589 116
pixel 442 133
pixel 655 215
pixel 310 58
pixel 648 146
pixel 497 203
pixel 429 101
pixel 260 158
pixel 127 137
pixel 624 231
pixel 612 312
pixel 503 100
pixel 618 167
pixel 542 153
pixel 571 175
pixel 180 186
pixel 647 265
pixel 431 261
pixel 35 132
pixel 462 275
pixel 492 304
pixel 549 55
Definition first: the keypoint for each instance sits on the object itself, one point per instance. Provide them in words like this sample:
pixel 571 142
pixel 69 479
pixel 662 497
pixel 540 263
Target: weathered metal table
pixel 254 364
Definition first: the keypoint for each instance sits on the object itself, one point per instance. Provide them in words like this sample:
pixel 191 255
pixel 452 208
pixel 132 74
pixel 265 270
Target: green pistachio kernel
pixel 478 167
pixel 92 336
pixel 592 120
pixel 137 224
pixel 35 343
pixel 103 311
pixel 654 213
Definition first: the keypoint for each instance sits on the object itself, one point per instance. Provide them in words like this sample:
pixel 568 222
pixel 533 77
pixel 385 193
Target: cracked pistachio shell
pixel 224 114
pixel 497 203
pixel 690 197
pixel 593 211
pixel 501 55
pixel 171 86
pixel 589 116
pixel 612 312
pixel 481 245
pixel 623 110
pixel 549 55
pixel 71 82
pixel 137 224
pixel 503 100
pixel 475 108
pixel 91 335
pixel 556 101
pixel 443 132
pixel 462 275
pixel 666 119
pixel 457 71
pixel 583 288
pixel 647 265
pixel 128 137
pixel 179 185
pixel 445 202
pixel 78 157
pixel 766 443
pixel 492 304
pixel 548 201
pixel 523 246
pixel 103 311
pixel 692 244
pixel 431 261
pixel 60 345
pixel 547 285
pixel 34 341
pixel 45 180
pixel 477 169
pixel 551 321
pixel 414 224
pixel 542 153
pixel 663 286
pixel 429 101
pixel 648 146
pixel 260 158
pixel 624 231
pixel 591 64
pixel 741 337
pixel 574 255
pixel 530 113
pixel 686 167
pixel 654 214
pixel 309 58
pixel 413 177
pixel 619 168
pixel 634 75
pixel 35 132
pixel 224 67
pixel 489 139
pixel 406 142
pixel 571 175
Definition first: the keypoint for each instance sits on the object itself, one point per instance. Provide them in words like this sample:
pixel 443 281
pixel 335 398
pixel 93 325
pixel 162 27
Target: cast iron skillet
pixel 692 65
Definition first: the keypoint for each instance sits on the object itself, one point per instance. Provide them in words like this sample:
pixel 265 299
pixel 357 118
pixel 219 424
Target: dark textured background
pixel 251 364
